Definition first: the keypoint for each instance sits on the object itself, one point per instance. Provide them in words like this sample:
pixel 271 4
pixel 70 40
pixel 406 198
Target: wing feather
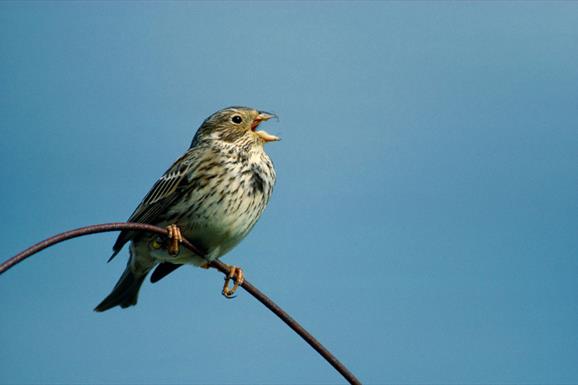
pixel 163 193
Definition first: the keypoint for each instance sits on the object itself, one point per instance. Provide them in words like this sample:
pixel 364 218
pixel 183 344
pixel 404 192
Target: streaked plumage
pixel 214 193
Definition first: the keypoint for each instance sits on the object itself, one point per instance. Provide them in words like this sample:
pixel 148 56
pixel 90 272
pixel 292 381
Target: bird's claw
pixel 175 239
pixel 236 274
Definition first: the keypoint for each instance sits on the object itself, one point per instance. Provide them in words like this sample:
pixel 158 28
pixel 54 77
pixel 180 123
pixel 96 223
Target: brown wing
pixel 161 196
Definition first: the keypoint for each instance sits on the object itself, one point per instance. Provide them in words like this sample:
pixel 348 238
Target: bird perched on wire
pixel 212 195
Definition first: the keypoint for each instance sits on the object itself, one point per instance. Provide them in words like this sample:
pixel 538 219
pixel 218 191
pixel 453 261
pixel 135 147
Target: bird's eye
pixel 236 119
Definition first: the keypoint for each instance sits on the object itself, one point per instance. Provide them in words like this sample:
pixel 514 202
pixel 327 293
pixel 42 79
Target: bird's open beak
pixel 263 116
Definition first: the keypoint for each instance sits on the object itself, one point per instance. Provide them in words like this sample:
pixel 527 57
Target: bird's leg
pixel 175 239
pixel 237 275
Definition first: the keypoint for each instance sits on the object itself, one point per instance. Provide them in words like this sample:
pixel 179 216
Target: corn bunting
pixel 212 195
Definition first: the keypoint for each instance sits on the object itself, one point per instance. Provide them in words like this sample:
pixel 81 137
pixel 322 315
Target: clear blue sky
pixel 424 224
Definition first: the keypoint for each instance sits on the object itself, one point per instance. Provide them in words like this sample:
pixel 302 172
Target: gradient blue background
pixel 424 224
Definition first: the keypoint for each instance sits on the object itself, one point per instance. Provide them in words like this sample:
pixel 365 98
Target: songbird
pixel 212 195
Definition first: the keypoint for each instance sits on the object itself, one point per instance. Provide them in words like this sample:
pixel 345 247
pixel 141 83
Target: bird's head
pixel 236 125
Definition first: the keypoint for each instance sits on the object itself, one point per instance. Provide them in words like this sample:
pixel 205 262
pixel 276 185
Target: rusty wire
pixel 108 227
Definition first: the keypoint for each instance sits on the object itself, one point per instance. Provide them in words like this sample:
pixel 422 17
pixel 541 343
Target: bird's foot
pixel 175 239
pixel 236 274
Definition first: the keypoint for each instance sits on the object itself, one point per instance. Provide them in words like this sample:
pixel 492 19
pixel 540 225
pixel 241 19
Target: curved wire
pixel 108 227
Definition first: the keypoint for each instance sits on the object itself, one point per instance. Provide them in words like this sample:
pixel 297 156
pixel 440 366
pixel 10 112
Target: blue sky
pixel 424 223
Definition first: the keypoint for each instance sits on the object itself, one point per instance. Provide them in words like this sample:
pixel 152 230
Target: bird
pixel 212 195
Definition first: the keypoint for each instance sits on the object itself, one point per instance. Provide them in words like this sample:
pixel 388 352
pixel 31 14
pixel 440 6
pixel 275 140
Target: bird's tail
pixel 125 292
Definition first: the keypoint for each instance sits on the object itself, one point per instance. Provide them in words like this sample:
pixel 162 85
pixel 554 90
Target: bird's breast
pixel 226 202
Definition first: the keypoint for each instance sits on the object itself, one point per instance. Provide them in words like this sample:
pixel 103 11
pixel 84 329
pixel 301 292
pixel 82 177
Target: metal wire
pixel 108 227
